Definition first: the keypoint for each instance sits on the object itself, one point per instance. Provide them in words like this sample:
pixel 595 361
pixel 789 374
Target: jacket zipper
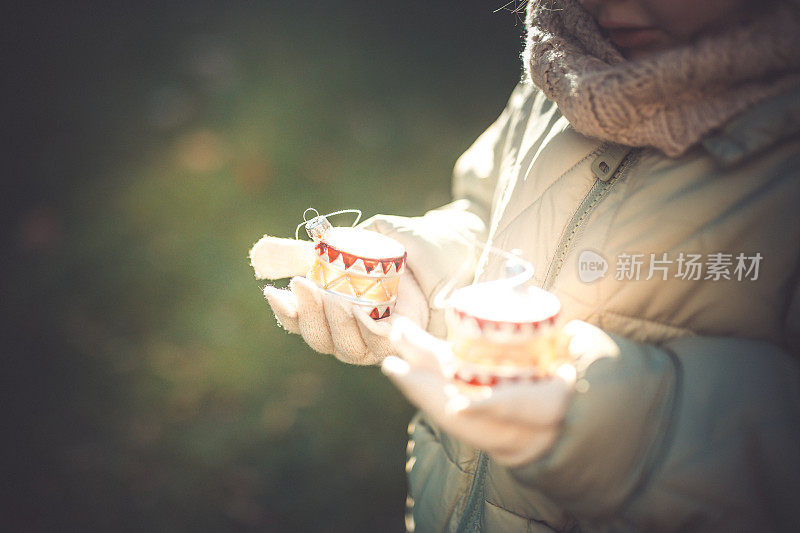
pixel 471 519
pixel 600 189
pixel 473 509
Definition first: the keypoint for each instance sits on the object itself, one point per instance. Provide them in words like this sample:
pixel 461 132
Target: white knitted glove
pixel 328 323
pixel 514 423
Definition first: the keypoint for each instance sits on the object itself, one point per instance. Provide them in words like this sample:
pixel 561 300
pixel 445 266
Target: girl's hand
pixel 328 323
pixel 515 423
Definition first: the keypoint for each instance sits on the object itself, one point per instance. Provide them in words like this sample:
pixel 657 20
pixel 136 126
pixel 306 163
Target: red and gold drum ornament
pixel 359 265
pixel 503 334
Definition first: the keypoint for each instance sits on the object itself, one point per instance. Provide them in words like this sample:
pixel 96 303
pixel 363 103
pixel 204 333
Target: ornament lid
pixel 497 304
pixel 362 251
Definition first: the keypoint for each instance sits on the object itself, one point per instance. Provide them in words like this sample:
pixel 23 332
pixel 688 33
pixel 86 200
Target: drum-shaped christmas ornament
pixel 359 265
pixel 501 333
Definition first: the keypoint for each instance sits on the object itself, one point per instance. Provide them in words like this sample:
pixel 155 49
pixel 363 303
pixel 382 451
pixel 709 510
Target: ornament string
pixel 317 217
pixel 517 272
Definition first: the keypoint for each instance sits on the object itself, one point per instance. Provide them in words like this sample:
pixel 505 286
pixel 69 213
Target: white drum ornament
pixel 501 333
pixel 359 265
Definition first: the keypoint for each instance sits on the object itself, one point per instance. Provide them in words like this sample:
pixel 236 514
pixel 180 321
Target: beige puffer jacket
pixel 696 424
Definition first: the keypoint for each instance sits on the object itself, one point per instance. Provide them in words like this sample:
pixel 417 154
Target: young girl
pixel 661 140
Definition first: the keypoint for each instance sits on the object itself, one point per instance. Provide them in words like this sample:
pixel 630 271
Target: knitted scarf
pixel 669 100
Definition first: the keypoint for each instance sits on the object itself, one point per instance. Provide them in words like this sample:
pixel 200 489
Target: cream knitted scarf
pixel 670 100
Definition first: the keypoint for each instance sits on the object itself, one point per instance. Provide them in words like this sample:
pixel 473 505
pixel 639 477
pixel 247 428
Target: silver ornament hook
pixel 317 226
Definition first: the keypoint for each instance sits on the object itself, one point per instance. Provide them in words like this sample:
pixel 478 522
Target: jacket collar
pixel 756 129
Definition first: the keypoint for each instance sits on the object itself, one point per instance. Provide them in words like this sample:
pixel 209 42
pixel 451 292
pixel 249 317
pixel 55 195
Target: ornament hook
pixel 318 226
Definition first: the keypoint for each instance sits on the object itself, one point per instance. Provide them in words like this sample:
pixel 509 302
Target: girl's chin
pixel 638 53
pixel 642 52
pixel 639 43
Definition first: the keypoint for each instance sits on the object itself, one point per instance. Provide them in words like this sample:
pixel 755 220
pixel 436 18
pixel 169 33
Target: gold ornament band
pixel 361 289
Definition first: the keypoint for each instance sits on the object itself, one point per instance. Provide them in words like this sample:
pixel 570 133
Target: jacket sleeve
pixel 699 433
pixel 441 244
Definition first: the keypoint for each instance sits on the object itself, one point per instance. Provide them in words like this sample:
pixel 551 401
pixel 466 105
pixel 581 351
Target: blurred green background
pixel 149 144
